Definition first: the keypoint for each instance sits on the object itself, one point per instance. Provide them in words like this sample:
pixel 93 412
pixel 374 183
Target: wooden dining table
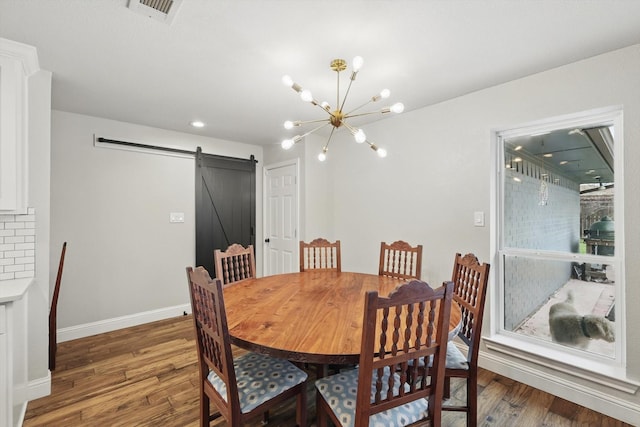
pixel 311 317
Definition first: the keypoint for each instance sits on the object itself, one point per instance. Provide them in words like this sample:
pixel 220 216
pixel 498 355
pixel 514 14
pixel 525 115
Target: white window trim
pixel 598 369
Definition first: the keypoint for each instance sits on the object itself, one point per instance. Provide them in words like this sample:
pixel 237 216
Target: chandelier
pixel 337 117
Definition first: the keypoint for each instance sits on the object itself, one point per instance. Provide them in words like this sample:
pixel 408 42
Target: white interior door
pixel 281 219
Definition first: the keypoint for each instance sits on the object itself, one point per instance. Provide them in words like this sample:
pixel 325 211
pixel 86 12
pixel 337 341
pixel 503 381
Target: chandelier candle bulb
pixel 306 95
pixel 357 63
pixel 397 108
pixel 290 125
pixel 287 81
pixel 287 144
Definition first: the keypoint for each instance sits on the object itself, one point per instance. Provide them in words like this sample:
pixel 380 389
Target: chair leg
pixel 204 409
pixel 52 354
pixel 435 411
pixel 447 388
pixel 472 401
pixel 321 416
pixel 301 408
pixel 321 370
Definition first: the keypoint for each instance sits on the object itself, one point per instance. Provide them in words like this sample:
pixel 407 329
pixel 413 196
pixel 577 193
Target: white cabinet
pixel 17 62
pixel 13 351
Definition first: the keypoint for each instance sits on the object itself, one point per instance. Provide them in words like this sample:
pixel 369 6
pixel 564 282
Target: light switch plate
pixel 176 217
pixel 478 219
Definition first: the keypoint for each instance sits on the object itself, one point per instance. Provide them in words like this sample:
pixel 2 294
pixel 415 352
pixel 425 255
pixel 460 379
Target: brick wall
pixel 17 246
pixel 535 222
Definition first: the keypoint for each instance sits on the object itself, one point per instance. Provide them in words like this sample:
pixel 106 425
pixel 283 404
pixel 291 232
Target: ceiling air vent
pixel 160 10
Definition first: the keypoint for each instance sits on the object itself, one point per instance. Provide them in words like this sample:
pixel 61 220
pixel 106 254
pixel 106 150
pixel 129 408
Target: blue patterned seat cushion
pixel 259 378
pixel 455 359
pixel 340 391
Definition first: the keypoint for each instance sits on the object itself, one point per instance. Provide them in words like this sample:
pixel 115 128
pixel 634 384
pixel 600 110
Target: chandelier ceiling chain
pixel 337 117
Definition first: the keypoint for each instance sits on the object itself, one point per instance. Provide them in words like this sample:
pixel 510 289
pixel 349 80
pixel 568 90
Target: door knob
pixel 266 240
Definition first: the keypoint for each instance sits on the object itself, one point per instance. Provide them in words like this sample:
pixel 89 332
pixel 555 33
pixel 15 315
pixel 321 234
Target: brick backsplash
pixel 17 245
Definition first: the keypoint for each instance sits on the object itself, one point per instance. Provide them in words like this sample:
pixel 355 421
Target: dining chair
pixel 53 312
pixel 320 254
pixel 400 259
pixel 470 288
pixel 411 324
pixel 235 264
pixel 244 387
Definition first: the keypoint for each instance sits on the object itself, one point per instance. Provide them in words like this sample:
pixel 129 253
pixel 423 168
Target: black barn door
pixel 225 205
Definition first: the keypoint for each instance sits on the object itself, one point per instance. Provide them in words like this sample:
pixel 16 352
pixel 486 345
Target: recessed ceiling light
pixel 197 124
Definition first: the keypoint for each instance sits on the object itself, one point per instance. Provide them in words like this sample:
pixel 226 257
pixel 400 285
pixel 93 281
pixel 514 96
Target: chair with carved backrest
pixel 53 312
pixel 235 264
pixel 244 387
pixel 320 254
pixel 400 259
pixel 397 330
pixel 470 280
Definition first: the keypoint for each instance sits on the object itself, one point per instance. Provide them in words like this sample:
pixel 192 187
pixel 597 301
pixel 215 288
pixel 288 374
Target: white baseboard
pixel 35 389
pixel 39 387
pixel 18 413
pixel 592 398
pixel 108 325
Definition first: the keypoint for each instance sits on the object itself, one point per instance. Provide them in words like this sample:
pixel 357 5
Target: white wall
pixel 316 184
pixel 125 262
pixel 424 192
pixel 39 199
pixel 438 173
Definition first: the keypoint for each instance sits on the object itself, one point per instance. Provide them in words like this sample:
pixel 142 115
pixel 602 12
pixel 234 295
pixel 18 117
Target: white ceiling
pixel 222 61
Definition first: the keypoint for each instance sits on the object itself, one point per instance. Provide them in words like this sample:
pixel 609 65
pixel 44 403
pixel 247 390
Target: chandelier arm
pixel 351 128
pixel 304 122
pixel 338 88
pixel 359 107
pixel 324 109
pixel 364 114
pixel 372 145
pixel 346 95
pixel 326 146
pixel 315 129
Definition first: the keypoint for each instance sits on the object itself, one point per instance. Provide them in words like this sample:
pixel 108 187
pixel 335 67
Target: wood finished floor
pixel 147 376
